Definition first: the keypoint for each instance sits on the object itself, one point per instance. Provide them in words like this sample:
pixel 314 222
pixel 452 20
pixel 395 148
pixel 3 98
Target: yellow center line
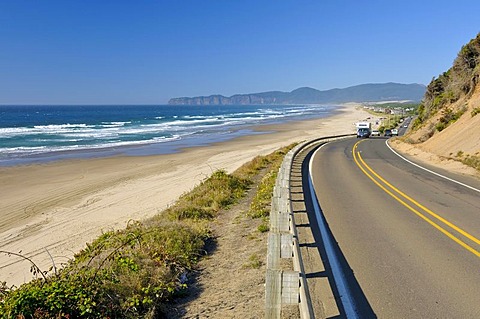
pixel 443 220
pixel 428 220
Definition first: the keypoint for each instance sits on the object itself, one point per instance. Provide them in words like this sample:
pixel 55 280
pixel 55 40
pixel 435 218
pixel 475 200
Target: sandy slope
pixel 442 148
pixel 58 207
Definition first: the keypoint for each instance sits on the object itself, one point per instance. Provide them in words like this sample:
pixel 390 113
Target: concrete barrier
pixel 286 286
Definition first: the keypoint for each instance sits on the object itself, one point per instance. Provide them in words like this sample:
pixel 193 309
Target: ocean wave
pixel 43 129
pixel 140 127
pixel 35 150
pixel 115 124
pixel 58 127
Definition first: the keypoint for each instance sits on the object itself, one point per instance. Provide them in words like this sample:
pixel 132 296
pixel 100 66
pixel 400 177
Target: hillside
pixel 359 93
pixel 449 115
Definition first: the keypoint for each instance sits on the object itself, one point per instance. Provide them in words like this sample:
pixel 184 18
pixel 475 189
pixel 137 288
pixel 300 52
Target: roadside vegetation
pixel 447 99
pixel 136 272
pixel 475 111
pixel 443 92
pixel 469 160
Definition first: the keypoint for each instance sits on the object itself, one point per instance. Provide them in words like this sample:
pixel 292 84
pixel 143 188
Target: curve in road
pixel 399 265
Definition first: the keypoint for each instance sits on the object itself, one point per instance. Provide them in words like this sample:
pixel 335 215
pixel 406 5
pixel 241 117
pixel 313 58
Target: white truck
pixel 364 129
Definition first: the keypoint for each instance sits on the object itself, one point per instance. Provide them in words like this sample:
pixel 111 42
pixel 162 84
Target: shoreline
pixel 57 207
pixel 141 146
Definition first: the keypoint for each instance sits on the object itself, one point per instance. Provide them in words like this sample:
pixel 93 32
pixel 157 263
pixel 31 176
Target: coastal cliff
pixel 238 99
pixel 306 95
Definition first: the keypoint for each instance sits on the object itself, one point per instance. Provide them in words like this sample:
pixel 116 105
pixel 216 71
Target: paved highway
pixel 407 241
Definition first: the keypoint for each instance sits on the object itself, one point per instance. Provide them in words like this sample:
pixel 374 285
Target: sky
pixel 148 51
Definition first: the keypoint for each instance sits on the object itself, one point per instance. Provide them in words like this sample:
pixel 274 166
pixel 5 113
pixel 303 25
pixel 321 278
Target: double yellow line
pixel 405 200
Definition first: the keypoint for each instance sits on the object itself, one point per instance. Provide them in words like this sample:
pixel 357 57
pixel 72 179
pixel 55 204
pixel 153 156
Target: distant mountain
pixel 305 95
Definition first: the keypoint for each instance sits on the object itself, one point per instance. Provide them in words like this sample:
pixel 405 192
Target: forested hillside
pixel 458 83
pixel 448 120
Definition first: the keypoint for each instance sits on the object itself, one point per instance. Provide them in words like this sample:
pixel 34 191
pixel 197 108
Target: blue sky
pixel 145 52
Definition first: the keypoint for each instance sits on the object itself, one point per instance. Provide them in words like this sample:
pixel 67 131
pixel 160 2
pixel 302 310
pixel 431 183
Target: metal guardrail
pixel 287 286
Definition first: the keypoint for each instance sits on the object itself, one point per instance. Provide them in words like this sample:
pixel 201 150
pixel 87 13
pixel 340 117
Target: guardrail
pixel 285 286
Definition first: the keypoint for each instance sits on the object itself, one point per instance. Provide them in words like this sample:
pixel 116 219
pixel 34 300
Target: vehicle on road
pixel 388 133
pixel 364 129
pixel 394 132
pixel 363 133
pixel 375 133
pixel 360 125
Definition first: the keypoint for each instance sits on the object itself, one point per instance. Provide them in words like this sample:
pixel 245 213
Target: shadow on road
pixel 362 306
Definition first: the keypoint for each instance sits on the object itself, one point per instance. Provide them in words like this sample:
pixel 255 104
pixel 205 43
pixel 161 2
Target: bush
pixel 469 160
pixel 440 126
pixel 472 161
pixel 204 201
pixel 448 117
pixel 260 206
pixel 254 262
pixel 122 274
pixel 264 226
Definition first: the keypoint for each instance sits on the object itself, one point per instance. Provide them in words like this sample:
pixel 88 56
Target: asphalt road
pixel 408 241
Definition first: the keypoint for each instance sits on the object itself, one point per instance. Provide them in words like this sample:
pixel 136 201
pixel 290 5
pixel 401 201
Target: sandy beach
pixel 52 210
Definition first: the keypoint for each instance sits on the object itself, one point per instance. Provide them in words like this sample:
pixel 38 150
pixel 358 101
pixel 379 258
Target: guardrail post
pixel 273 297
pixel 290 287
pixel 273 251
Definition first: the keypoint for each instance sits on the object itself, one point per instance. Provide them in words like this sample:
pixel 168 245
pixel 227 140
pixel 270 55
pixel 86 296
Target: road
pixel 404 126
pixel 407 241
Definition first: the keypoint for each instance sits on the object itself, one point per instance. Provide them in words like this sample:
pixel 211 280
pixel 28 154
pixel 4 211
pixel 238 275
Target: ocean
pixel 37 134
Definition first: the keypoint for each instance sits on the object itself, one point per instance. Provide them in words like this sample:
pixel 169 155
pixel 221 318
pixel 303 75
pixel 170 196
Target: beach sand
pixel 50 211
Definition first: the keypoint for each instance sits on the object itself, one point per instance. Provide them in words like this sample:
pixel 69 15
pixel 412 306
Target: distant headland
pixel 375 92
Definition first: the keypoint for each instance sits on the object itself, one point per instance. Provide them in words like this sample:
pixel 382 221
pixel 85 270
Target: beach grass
pixel 135 272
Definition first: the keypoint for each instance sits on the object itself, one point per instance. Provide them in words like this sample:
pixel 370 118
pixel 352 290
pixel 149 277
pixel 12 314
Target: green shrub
pixel 121 274
pixel 254 262
pixel 264 227
pixel 440 126
pixel 260 206
pixel 472 161
pixel 469 160
pixel 448 117
pixel 218 191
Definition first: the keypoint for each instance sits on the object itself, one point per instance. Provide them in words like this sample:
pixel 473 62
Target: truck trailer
pixel 364 129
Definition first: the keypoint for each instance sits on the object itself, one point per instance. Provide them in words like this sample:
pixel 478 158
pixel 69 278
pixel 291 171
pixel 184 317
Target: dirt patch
pixel 230 281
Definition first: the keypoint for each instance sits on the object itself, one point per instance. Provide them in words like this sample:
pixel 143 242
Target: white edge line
pixel 339 278
pixel 430 171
